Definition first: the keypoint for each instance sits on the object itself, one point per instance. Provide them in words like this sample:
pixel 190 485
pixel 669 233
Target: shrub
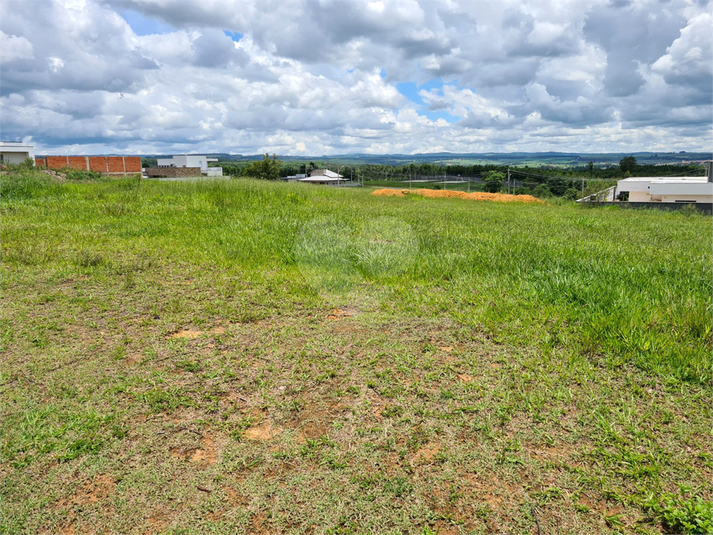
pixel 542 191
pixel 571 194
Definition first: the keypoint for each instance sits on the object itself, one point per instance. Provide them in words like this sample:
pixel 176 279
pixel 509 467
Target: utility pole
pixel 508 179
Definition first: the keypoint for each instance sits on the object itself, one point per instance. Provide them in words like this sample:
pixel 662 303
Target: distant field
pixel 236 356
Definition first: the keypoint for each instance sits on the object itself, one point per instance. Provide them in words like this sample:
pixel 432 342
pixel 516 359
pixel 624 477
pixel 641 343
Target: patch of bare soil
pixel 339 313
pixel 205 456
pixel 261 432
pixel 100 489
pixel 425 454
pixel 188 334
pixel 314 429
pixel 156 523
pixel 235 498
pixel 259 523
pixel 68 529
pixel 192 334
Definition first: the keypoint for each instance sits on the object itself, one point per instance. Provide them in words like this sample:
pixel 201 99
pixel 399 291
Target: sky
pixel 321 77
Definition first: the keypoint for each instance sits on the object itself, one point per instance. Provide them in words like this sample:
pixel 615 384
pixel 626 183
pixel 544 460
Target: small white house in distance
pixel 666 189
pixel 191 160
pixel 15 152
pixel 323 176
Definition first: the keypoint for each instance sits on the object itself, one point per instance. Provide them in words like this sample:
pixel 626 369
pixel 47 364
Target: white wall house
pixel 192 160
pixel 15 152
pixel 666 189
pixel 323 176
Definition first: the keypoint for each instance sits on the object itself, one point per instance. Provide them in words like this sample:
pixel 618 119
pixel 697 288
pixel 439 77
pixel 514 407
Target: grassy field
pixel 233 356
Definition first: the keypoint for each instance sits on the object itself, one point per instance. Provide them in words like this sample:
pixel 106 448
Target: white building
pixel 192 160
pixel 666 189
pixel 323 176
pixel 15 152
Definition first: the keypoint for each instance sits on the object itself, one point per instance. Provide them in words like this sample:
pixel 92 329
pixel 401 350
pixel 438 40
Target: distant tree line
pixel 569 182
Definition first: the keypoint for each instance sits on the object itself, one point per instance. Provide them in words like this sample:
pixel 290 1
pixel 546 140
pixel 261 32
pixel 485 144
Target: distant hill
pixel 532 159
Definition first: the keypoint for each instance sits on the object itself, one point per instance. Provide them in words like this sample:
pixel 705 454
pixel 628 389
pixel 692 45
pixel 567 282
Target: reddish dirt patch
pixel 475 196
pixel 235 498
pixel 426 454
pixel 315 429
pixel 205 456
pixel 216 516
pixel 68 529
pixel 258 523
pixel 208 455
pixel 156 523
pixel 339 313
pixel 100 488
pixel 465 378
pixel 189 334
pixel 261 432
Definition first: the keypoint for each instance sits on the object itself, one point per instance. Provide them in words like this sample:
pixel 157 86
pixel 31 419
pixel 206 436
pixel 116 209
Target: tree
pixel 542 191
pixel 493 181
pixel 265 169
pixel 627 164
pixel 557 186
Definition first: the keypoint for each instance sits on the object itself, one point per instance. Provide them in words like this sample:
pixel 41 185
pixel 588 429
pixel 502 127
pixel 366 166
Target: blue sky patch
pixel 235 36
pixel 143 25
pixel 410 90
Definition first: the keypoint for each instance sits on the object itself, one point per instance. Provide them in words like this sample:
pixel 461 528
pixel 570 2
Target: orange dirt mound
pixel 475 196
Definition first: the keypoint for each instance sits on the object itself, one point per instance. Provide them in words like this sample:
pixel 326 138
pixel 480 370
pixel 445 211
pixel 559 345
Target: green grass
pixel 237 356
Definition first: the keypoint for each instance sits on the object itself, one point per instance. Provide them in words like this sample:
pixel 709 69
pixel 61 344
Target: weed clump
pixel 687 516
pixel 77 174
pixel 21 183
